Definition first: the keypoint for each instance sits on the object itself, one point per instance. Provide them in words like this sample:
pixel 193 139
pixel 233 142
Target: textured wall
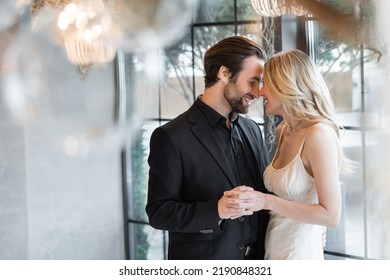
pixel 52 205
pixel 13 192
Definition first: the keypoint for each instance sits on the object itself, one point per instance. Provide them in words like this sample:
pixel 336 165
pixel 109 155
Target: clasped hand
pixel 240 201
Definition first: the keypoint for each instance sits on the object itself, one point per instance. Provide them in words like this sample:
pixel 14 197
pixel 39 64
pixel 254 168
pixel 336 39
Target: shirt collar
pixel 212 116
pixel 234 117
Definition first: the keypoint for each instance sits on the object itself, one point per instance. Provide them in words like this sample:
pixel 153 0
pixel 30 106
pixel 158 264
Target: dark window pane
pixel 215 11
pixel 245 11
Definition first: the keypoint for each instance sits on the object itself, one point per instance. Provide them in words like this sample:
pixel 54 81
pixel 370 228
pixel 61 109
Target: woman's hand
pixel 231 204
pixel 256 201
pixel 244 200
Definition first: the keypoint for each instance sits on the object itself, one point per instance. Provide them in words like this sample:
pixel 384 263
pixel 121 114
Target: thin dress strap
pixel 281 133
pixel 304 139
pixel 278 143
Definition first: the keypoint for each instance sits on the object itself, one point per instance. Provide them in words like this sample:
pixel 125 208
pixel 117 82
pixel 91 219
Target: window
pixel 180 80
pixel 170 94
pixel 350 69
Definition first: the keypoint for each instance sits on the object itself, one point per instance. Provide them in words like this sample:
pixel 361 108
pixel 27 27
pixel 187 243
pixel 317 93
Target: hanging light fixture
pixel 91 31
pixel 276 8
pixel 84 28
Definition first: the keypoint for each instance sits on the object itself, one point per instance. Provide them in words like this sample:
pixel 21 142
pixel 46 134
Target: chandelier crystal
pixel 276 8
pixel 91 31
pixel 84 26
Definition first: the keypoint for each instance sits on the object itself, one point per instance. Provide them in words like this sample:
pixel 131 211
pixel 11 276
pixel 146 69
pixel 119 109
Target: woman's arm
pixel 321 160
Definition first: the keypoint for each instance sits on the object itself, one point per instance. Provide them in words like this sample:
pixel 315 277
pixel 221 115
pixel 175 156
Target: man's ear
pixel 224 74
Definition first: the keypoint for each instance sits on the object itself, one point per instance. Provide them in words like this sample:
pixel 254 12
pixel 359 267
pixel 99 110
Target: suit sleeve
pixel 165 208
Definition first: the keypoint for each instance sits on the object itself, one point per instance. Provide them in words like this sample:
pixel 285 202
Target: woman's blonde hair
pixel 293 78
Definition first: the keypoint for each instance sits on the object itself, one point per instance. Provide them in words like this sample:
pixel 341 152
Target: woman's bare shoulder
pixel 320 134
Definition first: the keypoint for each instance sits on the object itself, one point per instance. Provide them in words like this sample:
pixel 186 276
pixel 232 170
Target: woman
pixel 303 177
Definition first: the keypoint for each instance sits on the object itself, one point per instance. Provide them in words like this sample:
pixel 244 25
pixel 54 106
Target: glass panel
pixel 343 79
pixel 378 195
pixel 341 65
pixel 353 189
pixel 147 243
pixel 245 11
pixel 177 89
pixel 139 244
pixel 348 237
pixel 252 31
pixel 375 95
pixel 205 37
pixel 137 187
pixel 158 242
pixel 346 93
pixel 138 175
pixel 215 11
pixel 142 83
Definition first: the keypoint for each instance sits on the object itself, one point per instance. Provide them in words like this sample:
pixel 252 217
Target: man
pixel 207 150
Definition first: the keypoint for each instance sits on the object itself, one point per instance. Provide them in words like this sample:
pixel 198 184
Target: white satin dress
pixel 287 239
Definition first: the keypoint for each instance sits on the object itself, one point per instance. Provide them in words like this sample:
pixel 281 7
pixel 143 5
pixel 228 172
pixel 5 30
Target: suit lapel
pixel 202 131
pixel 250 137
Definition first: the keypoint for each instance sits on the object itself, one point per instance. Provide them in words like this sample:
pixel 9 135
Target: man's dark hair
pixel 229 52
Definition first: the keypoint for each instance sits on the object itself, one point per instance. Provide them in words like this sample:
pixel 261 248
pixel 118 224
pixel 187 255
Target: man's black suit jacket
pixel 188 174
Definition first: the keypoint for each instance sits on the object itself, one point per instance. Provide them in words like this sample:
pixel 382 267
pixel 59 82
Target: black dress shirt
pixel 238 153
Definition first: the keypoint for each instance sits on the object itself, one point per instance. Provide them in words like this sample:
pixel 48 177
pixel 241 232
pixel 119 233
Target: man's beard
pixel 234 98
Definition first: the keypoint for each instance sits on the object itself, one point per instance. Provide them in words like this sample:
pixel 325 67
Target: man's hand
pixel 235 203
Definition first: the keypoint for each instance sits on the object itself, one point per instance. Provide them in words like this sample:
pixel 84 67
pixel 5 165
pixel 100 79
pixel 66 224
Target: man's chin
pixel 242 110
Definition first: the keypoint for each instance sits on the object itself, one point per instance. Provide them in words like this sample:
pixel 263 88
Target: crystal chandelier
pixel 91 31
pixel 84 28
pixel 276 8
pixel 84 25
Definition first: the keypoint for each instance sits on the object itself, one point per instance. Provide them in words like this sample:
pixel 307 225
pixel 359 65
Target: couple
pixel 211 184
